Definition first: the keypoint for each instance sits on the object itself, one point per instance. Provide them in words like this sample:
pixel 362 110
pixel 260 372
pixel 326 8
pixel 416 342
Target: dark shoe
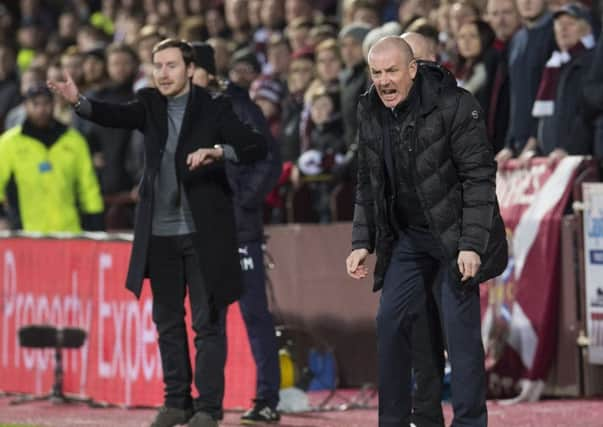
pixel 170 417
pixel 260 413
pixel 202 419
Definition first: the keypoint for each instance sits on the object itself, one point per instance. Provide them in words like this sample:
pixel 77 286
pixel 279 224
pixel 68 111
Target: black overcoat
pixel 208 120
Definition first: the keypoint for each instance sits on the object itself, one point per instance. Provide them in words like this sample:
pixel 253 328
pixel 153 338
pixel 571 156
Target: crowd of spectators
pixel 536 67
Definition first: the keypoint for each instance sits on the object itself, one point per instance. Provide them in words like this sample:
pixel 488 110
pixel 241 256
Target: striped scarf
pixel 544 105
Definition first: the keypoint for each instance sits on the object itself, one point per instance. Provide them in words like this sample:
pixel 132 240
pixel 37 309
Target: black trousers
pixel 174 269
pixel 416 258
pixel 428 361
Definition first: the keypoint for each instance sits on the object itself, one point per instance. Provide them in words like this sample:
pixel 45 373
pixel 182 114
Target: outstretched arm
pixel 128 116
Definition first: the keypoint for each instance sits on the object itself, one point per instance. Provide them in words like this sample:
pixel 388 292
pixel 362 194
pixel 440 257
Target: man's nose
pixel 384 80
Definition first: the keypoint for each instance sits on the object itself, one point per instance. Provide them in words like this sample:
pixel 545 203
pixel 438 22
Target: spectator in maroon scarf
pixel 559 107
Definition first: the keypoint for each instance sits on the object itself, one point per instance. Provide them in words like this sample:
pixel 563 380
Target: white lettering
pixel 9 279
pixel 247 264
pixel 149 361
pixel 104 310
pixel 125 337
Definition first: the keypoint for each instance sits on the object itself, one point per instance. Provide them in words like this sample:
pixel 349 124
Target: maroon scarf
pixel 544 105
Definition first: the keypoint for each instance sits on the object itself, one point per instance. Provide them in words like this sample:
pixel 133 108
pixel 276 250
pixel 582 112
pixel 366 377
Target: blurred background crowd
pixel 536 67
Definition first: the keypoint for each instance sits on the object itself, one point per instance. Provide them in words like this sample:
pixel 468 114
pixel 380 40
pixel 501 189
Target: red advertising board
pixel 80 283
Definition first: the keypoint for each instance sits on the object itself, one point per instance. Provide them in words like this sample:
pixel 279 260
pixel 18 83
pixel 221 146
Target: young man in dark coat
pixel 425 200
pixel 185 230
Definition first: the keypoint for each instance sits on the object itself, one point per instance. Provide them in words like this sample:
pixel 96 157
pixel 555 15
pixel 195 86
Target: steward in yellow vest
pixel 52 170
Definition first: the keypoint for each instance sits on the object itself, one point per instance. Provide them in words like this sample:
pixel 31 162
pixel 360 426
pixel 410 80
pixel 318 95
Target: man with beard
pixel 184 230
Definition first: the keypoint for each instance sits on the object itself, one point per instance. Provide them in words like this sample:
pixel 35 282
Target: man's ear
pixel 190 70
pixel 412 69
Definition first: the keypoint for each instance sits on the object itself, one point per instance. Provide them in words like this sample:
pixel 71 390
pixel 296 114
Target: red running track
pixel 548 413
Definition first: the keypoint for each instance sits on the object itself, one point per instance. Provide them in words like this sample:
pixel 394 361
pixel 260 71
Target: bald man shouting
pixel 425 203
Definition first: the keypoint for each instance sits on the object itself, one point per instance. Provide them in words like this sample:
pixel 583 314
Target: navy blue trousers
pixel 428 362
pixel 416 259
pixel 259 323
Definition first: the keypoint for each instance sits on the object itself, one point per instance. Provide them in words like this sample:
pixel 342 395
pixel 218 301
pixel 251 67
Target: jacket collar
pixel 47 136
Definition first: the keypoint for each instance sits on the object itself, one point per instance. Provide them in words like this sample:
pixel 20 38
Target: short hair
pixel 324 31
pixel 38 72
pixel 365 4
pixel 188 53
pixel 397 41
pixel 328 45
pixel 122 48
pixel 469 4
pixel 278 39
pixel 421 26
pixel 149 31
pixel 70 52
pixel 299 22
pixel 193 28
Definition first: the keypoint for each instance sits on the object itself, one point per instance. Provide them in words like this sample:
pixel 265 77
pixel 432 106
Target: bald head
pixel 421 47
pixel 392 45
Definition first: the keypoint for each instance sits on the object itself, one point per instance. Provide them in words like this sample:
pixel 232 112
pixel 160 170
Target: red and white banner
pixel 520 307
pixel 81 283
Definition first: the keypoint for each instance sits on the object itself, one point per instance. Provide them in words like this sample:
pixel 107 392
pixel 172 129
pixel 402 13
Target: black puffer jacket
pixel 454 169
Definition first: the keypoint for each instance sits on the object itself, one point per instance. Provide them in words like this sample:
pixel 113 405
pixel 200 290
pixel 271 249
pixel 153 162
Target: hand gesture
pixel 204 156
pixel 525 158
pixel 469 263
pixel 504 156
pixel 355 264
pixel 66 89
pixel 556 156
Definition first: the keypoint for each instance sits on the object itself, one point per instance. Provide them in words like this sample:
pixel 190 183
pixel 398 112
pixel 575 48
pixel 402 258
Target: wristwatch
pixel 221 147
pixel 78 103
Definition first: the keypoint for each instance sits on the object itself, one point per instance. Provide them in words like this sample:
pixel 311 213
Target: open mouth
pixel 389 93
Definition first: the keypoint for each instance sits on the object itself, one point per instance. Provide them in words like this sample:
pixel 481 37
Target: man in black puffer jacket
pixel 425 200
